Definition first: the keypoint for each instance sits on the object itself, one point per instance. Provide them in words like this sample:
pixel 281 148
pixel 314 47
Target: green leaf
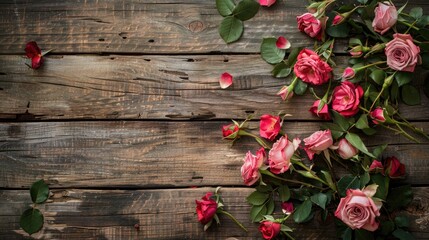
pixel 257 198
pixel 39 192
pixel 246 9
pixel 31 220
pixel 383 185
pixel 336 130
pixel 402 221
pixel 348 234
pixel 300 87
pixel 337 31
pixel 356 141
pixel 402 234
pixel 361 234
pixel 403 78
pixel 257 213
pixel 302 212
pixel 347 182
pixel 293 56
pixel 378 76
pixel 399 197
pixel 269 51
pixel 285 228
pixel 264 188
pixel 369 131
pixel 386 227
pixel 363 1
pixel 231 29
pixel 362 122
pixel 364 179
pixel 425 60
pixel 379 150
pixel 328 178
pixel 270 206
pixel 340 121
pixel 410 95
pixel 284 193
pixel 225 7
pixel 416 12
pixel 320 199
pixel 281 70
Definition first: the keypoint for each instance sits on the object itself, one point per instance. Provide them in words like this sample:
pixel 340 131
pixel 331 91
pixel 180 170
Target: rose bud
pixel 206 208
pixel 317 142
pixel 323 113
pixel 269 126
pixel 376 167
pixel 386 16
pixel 35 54
pixel 346 150
pixel 358 210
pixel 346 98
pixel 230 131
pixel 266 3
pixel 402 54
pixel 348 74
pixel 358 51
pixel 394 168
pixel 280 154
pixel 377 115
pixel 287 208
pixel 285 93
pixel 250 169
pixel 269 229
pixel 337 19
pixel 310 25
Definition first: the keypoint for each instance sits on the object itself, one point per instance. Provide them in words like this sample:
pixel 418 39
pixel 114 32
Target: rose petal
pixel 282 43
pixel 225 80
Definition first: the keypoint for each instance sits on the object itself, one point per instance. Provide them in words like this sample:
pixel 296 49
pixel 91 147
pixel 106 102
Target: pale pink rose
pixel 309 24
pixel 323 113
pixel 402 54
pixel 281 153
pixel 346 98
pixel 285 93
pixel 376 167
pixel 345 149
pixel 385 17
pixel 317 142
pixel 266 3
pixel 250 169
pixel 269 126
pixel 349 73
pixel 282 43
pixel 287 208
pixel 311 69
pixel 358 210
pixel 377 115
pixel 225 80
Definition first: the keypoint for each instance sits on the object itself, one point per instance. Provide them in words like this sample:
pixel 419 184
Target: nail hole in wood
pixel 190 60
pixel 225 60
pixel 101 39
pixel 147 60
pixel 151 40
pixel 124 37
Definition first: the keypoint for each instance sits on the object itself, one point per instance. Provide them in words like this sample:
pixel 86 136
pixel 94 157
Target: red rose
pixel 269 126
pixel 35 54
pixel 311 69
pixel 310 25
pixel 250 169
pixel 346 98
pixel 376 167
pixel 323 113
pixel 287 208
pixel 269 229
pixel 230 131
pixel 206 208
pixel 394 168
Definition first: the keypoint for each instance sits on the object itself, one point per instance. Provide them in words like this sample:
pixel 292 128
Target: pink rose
pixel 206 208
pixel 358 210
pixel 230 131
pixel 323 113
pixel 337 19
pixel 310 25
pixel 402 54
pixel 349 73
pixel 346 98
pixel 394 168
pixel 345 149
pixel 311 69
pixel 269 229
pixel 287 208
pixel 385 17
pixel 266 3
pixel 317 142
pixel 377 115
pixel 250 169
pixel 281 153
pixel 376 167
pixel 269 126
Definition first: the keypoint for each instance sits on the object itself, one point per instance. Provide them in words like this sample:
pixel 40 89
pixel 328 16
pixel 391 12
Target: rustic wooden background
pixel 123 120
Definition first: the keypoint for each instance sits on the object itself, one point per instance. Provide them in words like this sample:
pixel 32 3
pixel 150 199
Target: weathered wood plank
pixel 151 87
pixel 152 26
pixel 160 214
pixel 149 154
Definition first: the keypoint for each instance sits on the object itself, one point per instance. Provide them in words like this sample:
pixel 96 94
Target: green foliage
pixel 410 95
pixel 402 234
pixel 320 199
pixel 231 29
pixel 281 70
pixel 399 197
pixel 347 182
pixel 225 7
pixel 257 198
pixel 378 76
pixel 357 142
pixel 31 220
pixel 303 211
pixel 270 52
pixel 383 185
pixel 300 88
pixel 246 9
pixel 39 192
pixel 403 78
pixel 284 193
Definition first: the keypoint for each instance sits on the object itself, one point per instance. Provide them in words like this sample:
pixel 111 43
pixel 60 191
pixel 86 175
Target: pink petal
pixel 225 80
pixel 282 43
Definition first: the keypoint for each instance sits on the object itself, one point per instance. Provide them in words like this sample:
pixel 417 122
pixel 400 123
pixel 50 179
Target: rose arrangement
pixel 332 172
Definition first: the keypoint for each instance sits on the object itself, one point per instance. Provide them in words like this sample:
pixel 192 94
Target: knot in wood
pixel 196 26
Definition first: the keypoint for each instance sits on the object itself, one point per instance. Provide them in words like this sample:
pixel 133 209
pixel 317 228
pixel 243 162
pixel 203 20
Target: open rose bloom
pixel 318 142
pixel 269 229
pixel 346 98
pixel 311 69
pixel 206 208
pixel 269 126
pixel 280 155
pixel 250 169
pixel 385 17
pixel 310 25
pixel 402 54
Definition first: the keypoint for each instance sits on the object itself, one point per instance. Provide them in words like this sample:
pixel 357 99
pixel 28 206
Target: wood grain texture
pixel 153 87
pixel 149 154
pixel 160 214
pixel 150 26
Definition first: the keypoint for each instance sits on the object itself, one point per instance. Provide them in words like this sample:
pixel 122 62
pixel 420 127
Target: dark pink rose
pixel 402 54
pixel 377 115
pixel 35 54
pixel 269 229
pixel 345 149
pixel 250 169
pixel 346 98
pixel 269 126
pixel 287 208
pixel 281 153
pixel 230 131
pixel 311 69
pixel 206 208
pixel 394 168
pixel 309 24
pixel 266 3
pixel 358 210
pixel 317 142
pixel 348 74
pixel 385 17
pixel 323 113
pixel 376 167
pixel 337 19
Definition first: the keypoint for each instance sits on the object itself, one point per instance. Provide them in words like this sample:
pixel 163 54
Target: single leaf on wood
pixel 246 9
pixel 225 7
pixel 270 52
pixel 231 29
pixel 31 220
pixel 39 192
